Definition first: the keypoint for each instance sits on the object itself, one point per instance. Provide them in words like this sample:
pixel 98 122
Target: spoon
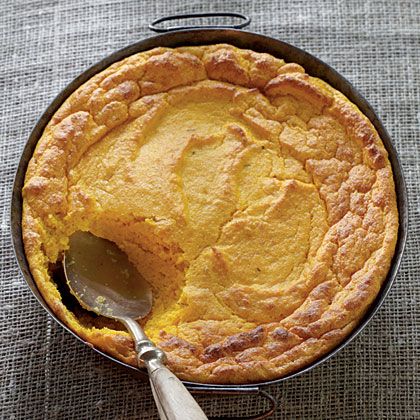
pixel 104 281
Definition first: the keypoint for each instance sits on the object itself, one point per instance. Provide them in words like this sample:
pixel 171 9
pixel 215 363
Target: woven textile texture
pixel 45 373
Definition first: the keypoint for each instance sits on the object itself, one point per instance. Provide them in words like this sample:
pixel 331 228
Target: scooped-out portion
pixel 257 201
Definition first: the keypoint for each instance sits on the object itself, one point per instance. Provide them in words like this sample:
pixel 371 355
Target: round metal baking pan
pixel 241 39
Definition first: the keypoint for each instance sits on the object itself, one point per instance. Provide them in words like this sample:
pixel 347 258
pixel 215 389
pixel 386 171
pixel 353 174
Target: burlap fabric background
pixel 46 373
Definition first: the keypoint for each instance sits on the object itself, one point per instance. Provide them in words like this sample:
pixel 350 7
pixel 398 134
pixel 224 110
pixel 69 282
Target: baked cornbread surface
pixel 257 201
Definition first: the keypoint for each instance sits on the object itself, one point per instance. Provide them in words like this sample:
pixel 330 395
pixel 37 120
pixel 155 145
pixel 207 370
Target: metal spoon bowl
pixel 104 281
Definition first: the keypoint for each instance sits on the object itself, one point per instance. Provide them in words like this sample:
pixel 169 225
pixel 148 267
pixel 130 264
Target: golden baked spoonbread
pixel 258 202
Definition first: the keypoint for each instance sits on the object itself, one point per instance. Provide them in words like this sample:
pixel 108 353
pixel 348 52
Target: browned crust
pixel 298 85
pixel 357 189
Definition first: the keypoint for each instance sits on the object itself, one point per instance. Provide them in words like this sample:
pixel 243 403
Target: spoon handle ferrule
pixel 173 400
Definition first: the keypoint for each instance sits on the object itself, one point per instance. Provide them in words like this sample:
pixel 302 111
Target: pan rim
pixel 231 36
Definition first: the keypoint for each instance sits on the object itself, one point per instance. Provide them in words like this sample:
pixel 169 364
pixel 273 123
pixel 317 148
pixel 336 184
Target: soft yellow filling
pixel 211 212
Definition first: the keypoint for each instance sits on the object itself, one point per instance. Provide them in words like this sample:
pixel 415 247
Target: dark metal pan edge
pixel 241 39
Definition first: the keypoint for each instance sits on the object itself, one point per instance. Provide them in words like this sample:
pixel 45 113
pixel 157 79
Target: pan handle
pixel 208 390
pixel 154 26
